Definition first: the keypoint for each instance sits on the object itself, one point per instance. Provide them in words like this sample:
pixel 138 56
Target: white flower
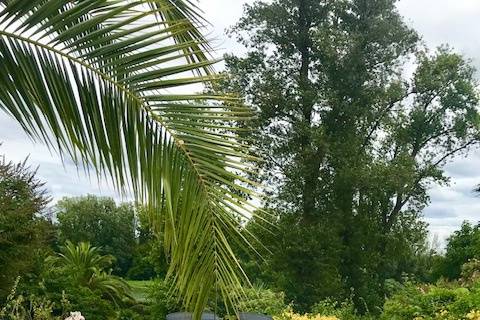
pixel 75 316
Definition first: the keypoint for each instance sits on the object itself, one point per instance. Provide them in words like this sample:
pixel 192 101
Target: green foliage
pixel 344 310
pixel 86 267
pixel 90 303
pixel 471 272
pixel 128 314
pixel 72 286
pixel 18 307
pixel 102 223
pixel 297 263
pixel 351 142
pixel 107 85
pixel 263 301
pixel 149 260
pixel 161 300
pixel 140 289
pixel 24 232
pixel 441 301
pixel 462 245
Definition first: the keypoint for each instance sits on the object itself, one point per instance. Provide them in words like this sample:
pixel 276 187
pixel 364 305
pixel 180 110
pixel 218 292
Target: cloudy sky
pixel 438 21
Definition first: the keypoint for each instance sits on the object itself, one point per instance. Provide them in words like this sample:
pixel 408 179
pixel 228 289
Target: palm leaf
pixel 108 83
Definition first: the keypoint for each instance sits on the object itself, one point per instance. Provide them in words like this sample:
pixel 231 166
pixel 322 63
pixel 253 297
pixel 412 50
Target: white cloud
pixel 453 22
pixel 63 179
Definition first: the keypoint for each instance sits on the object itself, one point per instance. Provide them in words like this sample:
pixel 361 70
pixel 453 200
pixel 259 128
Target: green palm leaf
pixel 108 83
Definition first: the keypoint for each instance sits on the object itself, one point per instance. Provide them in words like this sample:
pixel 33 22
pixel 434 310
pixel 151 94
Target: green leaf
pixel 103 82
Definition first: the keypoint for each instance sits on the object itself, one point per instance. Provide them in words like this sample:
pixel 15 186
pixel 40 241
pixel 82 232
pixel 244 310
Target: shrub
pixel 24 306
pixel 264 301
pixel 342 310
pixel 90 303
pixel 56 283
pixel 161 301
pixel 288 314
pixel 128 314
pixel 442 301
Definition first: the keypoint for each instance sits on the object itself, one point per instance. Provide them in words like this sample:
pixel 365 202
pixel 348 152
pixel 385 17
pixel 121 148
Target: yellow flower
pixel 290 315
pixel 473 315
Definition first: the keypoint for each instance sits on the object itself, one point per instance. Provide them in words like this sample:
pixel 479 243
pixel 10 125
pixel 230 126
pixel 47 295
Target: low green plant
pixel 161 301
pixel 87 268
pixel 28 307
pixel 261 300
pixel 344 310
pixel 449 301
pixel 77 279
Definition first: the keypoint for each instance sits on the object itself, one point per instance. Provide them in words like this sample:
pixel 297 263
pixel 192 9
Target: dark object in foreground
pixel 253 316
pixel 212 316
pixel 189 316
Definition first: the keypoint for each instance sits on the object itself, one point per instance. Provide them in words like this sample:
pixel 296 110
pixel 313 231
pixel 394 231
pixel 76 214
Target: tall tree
pixel 352 140
pixel 107 84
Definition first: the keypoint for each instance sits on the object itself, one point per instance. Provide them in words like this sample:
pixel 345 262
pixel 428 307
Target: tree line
pixel 78 254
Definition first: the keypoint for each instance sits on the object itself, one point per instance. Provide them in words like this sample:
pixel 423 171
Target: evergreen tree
pixel 24 231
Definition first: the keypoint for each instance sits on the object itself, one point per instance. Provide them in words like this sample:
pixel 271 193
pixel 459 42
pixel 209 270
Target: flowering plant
pixel 290 315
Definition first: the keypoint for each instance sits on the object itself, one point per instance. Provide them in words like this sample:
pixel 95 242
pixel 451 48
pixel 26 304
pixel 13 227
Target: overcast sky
pixel 455 22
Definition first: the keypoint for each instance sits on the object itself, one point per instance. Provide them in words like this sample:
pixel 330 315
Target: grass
pixel 140 289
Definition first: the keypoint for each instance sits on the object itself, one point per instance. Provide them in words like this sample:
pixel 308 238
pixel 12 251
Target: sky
pixel 438 21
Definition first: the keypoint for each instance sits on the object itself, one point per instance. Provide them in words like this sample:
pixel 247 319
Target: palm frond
pixel 109 84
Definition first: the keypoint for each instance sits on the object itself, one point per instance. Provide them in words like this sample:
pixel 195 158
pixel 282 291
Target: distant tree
pixel 462 246
pixel 149 259
pixel 102 223
pixel 23 230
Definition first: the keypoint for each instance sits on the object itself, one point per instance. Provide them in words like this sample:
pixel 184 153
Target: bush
pixel 129 314
pixel 161 301
pixel 90 303
pixel 41 304
pixel 447 301
pixel 290 315
pixel 19 307
pixel 58 287
pixel 342 310
pixel 263 301
pixel 57 284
